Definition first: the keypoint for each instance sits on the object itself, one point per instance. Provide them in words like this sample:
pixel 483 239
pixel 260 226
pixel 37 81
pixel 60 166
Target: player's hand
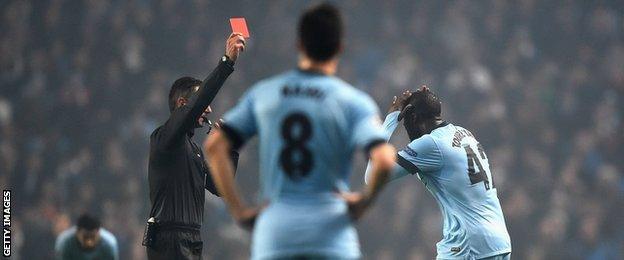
pixel 246 218
pixel 357 203
pixel 398 103
pixel 235 45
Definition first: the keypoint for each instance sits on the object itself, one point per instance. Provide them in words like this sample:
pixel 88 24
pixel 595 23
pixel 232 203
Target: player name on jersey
pixel 299 91
pixel 459 135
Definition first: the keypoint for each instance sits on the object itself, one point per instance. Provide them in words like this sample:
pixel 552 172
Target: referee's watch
pixel 227 60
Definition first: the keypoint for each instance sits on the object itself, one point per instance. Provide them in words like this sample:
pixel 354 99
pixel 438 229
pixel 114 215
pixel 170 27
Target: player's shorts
pixel 311 257
pixel 311 228
pixel 506 256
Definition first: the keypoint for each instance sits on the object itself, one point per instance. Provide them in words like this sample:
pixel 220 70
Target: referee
pixel 177 172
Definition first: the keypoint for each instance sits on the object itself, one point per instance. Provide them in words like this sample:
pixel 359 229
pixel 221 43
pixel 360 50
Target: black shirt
pixel 177 172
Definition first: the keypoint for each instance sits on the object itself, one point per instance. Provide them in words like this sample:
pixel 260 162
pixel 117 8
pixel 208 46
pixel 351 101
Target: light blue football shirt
pixel 453 166
pixel 67 246
pixel 309 126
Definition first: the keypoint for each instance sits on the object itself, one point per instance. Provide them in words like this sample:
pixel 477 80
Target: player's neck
pixel 432 125
pixel 426 128
pixel 326 67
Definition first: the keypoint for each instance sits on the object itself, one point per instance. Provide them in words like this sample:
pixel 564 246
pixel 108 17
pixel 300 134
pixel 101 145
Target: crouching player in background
pixel 454 168
pixel 86 240
pixel 310 124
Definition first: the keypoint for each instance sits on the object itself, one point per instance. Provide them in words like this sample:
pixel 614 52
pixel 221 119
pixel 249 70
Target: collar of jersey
pixel 311 72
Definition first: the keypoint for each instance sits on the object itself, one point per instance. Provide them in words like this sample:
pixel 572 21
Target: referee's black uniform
pixel 178 175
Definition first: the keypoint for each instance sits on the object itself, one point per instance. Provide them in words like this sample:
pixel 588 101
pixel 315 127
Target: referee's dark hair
pixel 182 87
pixel 87 222
pixel 320 32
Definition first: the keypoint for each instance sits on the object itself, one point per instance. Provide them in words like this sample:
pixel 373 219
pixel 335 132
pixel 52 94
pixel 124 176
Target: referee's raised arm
pixel 182 121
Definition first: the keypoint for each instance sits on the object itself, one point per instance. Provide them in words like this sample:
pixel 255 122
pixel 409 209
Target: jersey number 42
pixel 477 174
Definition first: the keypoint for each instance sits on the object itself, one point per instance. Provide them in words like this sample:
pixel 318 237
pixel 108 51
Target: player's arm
pixel 61 246
pixel 222 169
pixel 382 158
pixel 421 156
pixel 181 121
pixel 389 125
pixel 209 183
pixel 111 248
pixel 114 247
pixel 240 125
pixel 369 135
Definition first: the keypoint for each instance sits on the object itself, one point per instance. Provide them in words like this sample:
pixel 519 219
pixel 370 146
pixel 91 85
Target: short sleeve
pixel 61 244
pixel 421 155
pixel 366 123
pixel 111 242
pixel 240 122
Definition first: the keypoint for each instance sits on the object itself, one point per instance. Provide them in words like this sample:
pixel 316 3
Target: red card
pixel 239 26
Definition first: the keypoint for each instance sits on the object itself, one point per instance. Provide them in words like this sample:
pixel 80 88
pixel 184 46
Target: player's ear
pixel 407 109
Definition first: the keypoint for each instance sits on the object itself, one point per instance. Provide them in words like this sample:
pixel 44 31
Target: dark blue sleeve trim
pixel 410 167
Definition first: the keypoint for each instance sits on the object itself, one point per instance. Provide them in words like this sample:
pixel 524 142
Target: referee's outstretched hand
pixel 235 45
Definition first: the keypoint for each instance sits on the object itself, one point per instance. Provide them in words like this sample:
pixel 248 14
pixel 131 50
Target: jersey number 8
pixel 295 158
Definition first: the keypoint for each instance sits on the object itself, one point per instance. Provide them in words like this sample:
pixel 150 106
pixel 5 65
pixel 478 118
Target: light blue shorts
pixel 505 256
pixel 303 229
pixel 311 257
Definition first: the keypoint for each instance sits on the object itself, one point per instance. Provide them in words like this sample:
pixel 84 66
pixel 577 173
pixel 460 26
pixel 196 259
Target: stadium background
pixel 540 83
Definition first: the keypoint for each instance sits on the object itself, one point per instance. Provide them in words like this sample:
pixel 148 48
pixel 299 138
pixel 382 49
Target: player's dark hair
pixel 425 105
pixel 88 222
pixel 320 32
pixel 182 87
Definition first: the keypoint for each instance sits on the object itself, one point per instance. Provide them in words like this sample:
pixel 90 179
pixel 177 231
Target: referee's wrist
pixel 227 60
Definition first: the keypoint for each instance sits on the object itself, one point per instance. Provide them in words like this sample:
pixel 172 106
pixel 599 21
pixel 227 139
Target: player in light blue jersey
pixel 310 124
pixel 455 169
pixel 86 241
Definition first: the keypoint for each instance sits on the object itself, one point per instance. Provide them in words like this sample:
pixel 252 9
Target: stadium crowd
pixel 540 84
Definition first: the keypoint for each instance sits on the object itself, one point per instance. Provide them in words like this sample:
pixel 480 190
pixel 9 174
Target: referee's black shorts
pixel 176 244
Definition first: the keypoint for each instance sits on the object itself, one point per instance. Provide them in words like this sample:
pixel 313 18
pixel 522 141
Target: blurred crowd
pixel 540 84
